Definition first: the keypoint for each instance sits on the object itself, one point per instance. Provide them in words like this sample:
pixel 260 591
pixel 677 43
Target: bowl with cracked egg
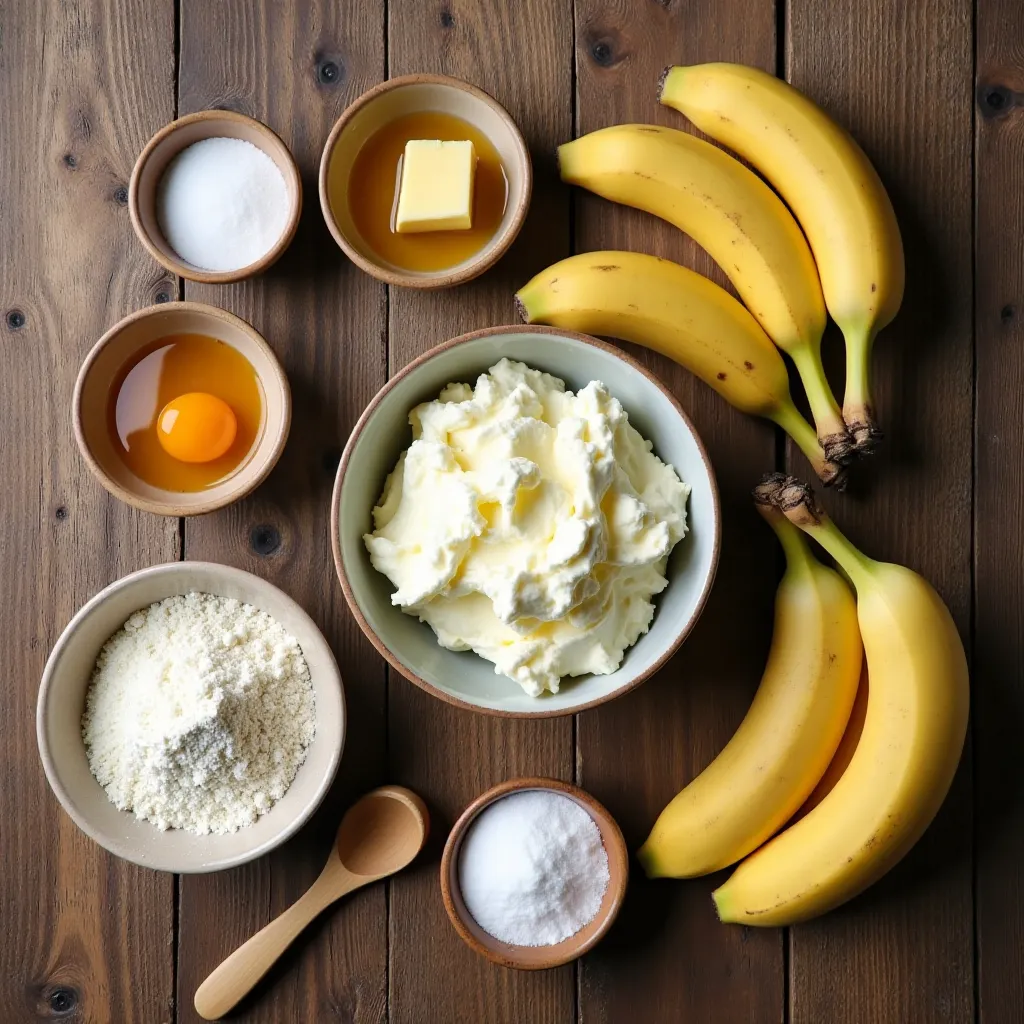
pixel 525 522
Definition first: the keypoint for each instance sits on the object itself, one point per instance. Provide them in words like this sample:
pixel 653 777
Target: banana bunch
pixel 661 305
pixel 789 736
pixel 856 270
pixel 739 221
pixel 864 809
pixel 831 187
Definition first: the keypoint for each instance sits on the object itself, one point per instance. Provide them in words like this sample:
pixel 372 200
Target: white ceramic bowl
pixel 383 432
pixel 62 701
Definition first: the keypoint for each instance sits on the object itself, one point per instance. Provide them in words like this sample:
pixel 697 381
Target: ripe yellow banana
pixel 829 184
pixel 904 763
pixel 659 304
pixel 788 737
pixel 844 752
pixel 742 224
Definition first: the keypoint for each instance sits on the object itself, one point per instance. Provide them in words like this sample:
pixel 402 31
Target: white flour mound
pixel 199 714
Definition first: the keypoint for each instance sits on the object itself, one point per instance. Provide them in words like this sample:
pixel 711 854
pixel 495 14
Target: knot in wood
pixel 265 539
pixel 328 72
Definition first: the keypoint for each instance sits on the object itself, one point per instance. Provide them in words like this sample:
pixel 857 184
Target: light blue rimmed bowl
pixel 383 433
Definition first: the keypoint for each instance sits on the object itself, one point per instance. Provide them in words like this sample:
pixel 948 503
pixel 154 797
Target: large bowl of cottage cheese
pixel 525 522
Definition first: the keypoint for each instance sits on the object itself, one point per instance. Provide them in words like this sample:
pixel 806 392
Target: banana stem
pixel 858 410
pixel 794 545
pixel 787 417
pixel 854 563
pixel 795 500
pixel 828 420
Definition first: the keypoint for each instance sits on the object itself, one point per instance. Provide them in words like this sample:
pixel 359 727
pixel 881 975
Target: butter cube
pixel 436 193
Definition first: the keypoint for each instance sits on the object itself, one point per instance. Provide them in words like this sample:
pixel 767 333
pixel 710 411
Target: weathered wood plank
pixel 79 96
pixel 899 77
pixel 521 54
pixel 325 320
pixel 999 510
pixel 669 959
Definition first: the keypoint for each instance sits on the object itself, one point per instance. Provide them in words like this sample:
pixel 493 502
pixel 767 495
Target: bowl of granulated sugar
pixel 191 717
pixel 215 197
pixel 534 873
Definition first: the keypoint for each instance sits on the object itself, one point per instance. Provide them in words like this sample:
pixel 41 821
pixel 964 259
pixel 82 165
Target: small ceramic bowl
pixel 165 146
pixel 396 98
pixel 62 702
pixel 534 958
pixel 92 398
pixel 383 433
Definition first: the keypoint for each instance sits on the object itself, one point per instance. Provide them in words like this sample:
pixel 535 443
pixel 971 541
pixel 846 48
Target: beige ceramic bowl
pixel 396 98
pixel 383 432
pixel 165 146
pixel 533 958
pixel 93 395
pixel 62 702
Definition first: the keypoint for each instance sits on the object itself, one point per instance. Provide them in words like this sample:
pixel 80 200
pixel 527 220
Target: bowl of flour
pixel 191 717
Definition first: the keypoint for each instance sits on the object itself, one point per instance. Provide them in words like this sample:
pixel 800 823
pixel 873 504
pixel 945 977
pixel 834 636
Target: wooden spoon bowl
pixel 379 835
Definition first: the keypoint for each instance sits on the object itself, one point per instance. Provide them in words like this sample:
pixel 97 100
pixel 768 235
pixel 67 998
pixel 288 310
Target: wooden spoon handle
pixel 234 978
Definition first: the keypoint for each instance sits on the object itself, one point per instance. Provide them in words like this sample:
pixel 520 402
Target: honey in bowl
pixel 186 412
pixel 373 186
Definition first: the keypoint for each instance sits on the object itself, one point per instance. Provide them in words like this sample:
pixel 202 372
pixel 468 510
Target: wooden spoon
pixel 379 835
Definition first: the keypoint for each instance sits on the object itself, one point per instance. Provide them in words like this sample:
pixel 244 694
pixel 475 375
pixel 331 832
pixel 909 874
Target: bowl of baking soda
pixel 534 873
pixel 190 717
pixel 215 197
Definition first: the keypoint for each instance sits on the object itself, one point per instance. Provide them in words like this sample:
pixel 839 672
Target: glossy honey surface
pixel 372 194
pixel 175 366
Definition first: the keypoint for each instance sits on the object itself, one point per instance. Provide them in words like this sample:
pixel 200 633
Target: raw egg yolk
pixel 196 427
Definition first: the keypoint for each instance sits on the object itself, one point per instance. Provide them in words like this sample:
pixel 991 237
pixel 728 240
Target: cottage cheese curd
pixel 529 524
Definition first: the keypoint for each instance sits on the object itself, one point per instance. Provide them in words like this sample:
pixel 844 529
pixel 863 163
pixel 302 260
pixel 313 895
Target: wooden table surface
pixel 933 90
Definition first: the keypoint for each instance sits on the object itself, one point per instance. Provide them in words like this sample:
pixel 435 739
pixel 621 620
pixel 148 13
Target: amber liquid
pixel 170 367
pixel 373 190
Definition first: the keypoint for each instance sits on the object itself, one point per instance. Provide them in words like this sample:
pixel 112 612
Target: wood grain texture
pixel 999 510
pixel 899 77
pixel 668 958
pixel 522 55
pixel 82 86
pixel 296 67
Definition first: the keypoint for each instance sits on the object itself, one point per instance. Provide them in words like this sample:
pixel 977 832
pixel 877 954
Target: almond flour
pixel 199 713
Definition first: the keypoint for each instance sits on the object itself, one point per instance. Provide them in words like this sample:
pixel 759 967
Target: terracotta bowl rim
pixel 187 270
pixel 615 847
pixel 490 253
pixel 169 508
pixel 346 586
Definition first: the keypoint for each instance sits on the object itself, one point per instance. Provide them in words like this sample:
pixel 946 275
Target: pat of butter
pixel 436 193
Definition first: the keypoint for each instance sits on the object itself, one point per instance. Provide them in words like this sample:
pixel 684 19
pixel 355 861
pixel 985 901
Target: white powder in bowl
pixel 532 868
pixel 198 714
pixel 222 204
